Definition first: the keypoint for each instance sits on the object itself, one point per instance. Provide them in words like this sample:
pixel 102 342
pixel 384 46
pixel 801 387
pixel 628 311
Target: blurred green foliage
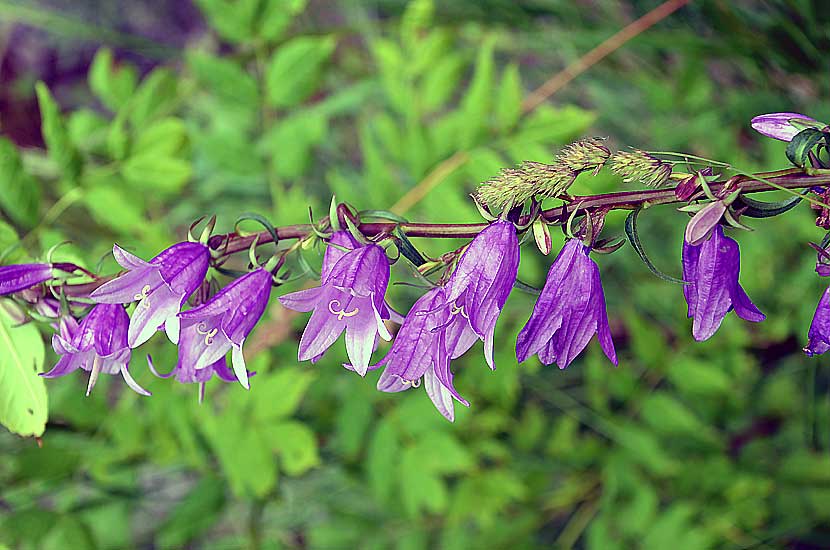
pixel 722 444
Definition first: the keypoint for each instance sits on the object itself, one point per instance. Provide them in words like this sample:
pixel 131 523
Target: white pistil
pixel 208 334
pixel 341 313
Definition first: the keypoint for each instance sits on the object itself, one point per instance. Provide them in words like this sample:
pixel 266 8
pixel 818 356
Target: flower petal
pixel 127 260
pixel 239 369
pixel 302 300
pixel 128 287
pixel 151 313
pixel 132 383
pixel 440 396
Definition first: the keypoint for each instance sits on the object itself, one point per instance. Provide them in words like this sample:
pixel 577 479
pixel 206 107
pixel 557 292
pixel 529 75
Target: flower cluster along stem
pixel 625 200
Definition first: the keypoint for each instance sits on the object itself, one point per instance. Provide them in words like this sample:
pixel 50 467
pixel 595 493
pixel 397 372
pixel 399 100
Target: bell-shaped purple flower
pixel 481 283
pixel 17 277
pixel 350 298
pixel 783 126
pixel 160 286
pixel 569 311
pixel 421 351
pixel 711 272
pixel 14 278
pixel 819 334
pixel 98 344
pixel 220 325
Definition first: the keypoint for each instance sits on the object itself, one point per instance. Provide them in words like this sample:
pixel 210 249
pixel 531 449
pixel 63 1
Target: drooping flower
pixel 421 351
pixel 481 283
pixel 160 286
pixel 569 311
pixel 98 344
pixel 17 277
pixel 220 325
pixel 818 341
pixel 818 337
pixel 711 272
pixel 350 298
pixel 783 126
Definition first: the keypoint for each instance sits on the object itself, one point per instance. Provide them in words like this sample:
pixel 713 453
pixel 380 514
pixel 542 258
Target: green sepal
pixel 760 209
pixel 634 240
pixel 262 221
pixel 406 248
pixel 798 150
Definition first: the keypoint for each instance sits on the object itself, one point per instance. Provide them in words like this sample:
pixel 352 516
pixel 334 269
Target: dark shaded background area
pixel 722 444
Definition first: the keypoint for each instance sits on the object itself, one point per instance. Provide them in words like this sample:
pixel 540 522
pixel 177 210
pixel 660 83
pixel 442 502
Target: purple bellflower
pixel 98 344
pixel 422 351
pixel 220 325
pixel 783 126
pixel 818 337
pixel 160 287
pixel 711 270
pixel 480 285
pixel 350 298
pixel 17 277
pixel 569 311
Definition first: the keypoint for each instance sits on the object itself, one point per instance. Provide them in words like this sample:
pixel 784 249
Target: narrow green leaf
pixel 295 69
pixel 278 394
pixel 60 147
pixel 20 198
pixel 634 239
pixel 509 98
pixel 231 19
pixel 23 404
pixel 477 102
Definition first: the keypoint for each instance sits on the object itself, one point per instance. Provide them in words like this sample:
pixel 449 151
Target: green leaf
pixel 165 137
pixel 113 204
pixel 668 415
pixel 382 459
pixel 277 15
pixel 476 104
pixel 798 150
pixel 509 99
pixel 20 198
pixel 224 78
pixel 634 239
pixel 296 445
pixel 154 98
pixel 158 173
pixel 23 404
pixel 232 19
pixel 10 250
pixel 294 71
pixel 406 248
pixel 194 514
pixel 278 394
pixel 112 85
pixel 416 18
pixel 59 146
pixel 440 82
pixel 290 143
pixel 421 489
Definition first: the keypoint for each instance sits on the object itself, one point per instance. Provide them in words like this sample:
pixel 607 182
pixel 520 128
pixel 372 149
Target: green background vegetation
pixel 273 105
